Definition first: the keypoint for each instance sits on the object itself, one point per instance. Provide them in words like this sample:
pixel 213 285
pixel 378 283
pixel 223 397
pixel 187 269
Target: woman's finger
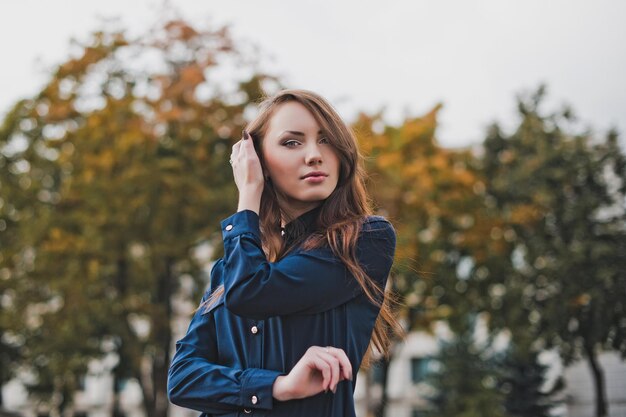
pixel 234 154
pixel 334 365
pixel 344 362
pixel 235 148
pixel 324 367
pixel 247 166
pixel 250 151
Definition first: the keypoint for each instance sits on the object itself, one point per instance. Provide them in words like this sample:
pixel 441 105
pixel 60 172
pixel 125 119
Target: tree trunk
pixel 161 403
pixel 598 379
pixel 131 351
pixel 148 400
pixel 381 407
pixel 116 410
pixel 155 393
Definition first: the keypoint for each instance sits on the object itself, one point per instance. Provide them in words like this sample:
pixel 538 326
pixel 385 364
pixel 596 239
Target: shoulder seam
pixel 378 224
pixel 376 219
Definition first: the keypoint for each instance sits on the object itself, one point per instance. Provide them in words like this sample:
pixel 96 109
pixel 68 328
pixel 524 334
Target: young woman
pixel 299 293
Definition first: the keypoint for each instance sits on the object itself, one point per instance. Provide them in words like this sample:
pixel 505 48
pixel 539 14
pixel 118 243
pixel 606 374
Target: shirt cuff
pixel 257 387
pixel 244 221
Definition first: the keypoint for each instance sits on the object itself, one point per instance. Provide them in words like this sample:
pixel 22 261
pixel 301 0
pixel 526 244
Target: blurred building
pixel 407 390
pixel 580 387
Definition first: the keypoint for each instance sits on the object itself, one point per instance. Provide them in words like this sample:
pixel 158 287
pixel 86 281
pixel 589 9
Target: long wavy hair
pixel 340 217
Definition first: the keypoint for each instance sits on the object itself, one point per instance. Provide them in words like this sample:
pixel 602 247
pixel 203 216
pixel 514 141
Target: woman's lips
pixel 315 179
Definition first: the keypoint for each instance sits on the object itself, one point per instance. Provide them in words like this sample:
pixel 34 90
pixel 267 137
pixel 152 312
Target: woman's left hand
pixel 320 369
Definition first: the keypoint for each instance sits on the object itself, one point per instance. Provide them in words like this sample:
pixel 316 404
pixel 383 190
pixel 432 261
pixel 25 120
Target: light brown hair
pixel 341 215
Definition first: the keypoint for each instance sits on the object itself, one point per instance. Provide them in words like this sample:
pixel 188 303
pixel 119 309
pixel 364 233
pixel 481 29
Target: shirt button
pixel 254 330
pixel 247 410
pixel 229 227
pixel 254 399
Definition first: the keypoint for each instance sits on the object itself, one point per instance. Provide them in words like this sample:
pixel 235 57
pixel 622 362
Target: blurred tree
pixel 471 228
pixel 435 198
pixel 17 214
pixel 111 177
pixel 524 381
pixel 466 383
pixel 562 196
pixel 417 185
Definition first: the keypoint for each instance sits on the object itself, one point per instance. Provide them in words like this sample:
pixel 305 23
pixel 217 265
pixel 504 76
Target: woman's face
pixel 293 147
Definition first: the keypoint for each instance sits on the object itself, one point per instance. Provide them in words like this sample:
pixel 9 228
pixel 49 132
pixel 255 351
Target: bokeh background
pixel 494 139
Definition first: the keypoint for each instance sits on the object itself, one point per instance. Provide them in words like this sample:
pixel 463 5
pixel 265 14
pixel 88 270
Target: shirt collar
pixel 301 226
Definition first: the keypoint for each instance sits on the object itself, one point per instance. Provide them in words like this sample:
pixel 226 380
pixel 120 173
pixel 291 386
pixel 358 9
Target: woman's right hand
pixel 248 174
pixel 320 369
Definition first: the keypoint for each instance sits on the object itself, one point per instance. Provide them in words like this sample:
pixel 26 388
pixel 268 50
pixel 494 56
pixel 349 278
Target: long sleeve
pixel 304 282
pixel 195 380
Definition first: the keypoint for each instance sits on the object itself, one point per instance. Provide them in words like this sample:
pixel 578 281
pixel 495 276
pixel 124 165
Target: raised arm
pixel 303 282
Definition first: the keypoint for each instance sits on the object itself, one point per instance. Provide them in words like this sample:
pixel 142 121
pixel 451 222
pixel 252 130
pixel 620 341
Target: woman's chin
pixel 315 198
pixel 310 197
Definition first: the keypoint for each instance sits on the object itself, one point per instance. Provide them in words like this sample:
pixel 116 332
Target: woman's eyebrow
pixel 295 132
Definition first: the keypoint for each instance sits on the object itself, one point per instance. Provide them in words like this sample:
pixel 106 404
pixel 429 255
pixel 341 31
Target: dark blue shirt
pixel 270 314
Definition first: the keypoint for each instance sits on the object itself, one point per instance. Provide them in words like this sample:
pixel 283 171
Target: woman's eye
pixel 293 143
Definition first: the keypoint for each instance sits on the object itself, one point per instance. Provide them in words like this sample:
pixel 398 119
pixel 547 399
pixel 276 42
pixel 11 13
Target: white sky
pixel 405 56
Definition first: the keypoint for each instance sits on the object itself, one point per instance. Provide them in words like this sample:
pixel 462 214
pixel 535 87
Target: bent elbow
pixel 243 306
pixel 175 389
pixel 173 392
pixel 173 398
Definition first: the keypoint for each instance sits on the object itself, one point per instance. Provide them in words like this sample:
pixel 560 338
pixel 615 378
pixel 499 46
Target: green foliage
pixel 467 383
pixel 523 380
pixel 476 379
pixel 563 196
pixel 530 230
pixel 434 197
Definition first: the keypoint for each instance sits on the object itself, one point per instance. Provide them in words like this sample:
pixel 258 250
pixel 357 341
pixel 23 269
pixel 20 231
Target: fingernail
pixel 245 135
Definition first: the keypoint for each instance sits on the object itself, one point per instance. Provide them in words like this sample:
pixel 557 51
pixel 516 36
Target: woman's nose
pixel 313 155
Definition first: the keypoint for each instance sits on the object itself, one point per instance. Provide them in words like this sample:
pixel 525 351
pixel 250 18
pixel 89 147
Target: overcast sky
pixel 404 56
